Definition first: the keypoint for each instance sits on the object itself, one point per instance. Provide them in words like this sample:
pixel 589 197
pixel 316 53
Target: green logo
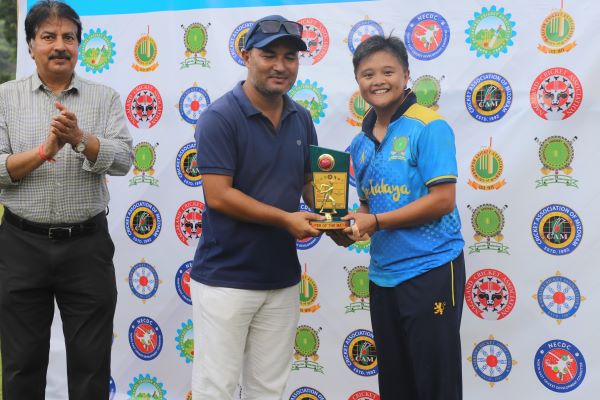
pixel 358 109
pixel 143 163
pixel 487 221
pixel 145 387
pixel 310 96
pixel 490 32
pixel 358 283
pixel 96 51
pixel 556 154
pixel 195 38
pixel 399 148
pixel 428 91
pixel 145 53
pixel 306 346
pixel 185 341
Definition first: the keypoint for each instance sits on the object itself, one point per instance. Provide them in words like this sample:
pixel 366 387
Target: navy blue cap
pixel 257 38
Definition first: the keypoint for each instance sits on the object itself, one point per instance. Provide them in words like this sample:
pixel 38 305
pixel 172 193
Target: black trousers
pixel 416 326
pixel 79 273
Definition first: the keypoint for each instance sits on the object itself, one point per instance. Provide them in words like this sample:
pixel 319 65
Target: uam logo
pixel 316 37
pixel 96 51
pixel 358 109
pixel 112 389
pixel 309 242
pixel 556 31
pixel 188 221
pixel 195 37
pixel 556 154
pixel 364 395
pixel 557 229
pixel 486 169
pixel 237 41
pixel 309 292
pixel 145 52
pixel 361 31
pixel 492 360
pixel 143 222
pixel 146 387
pixel 560 366
pixel 145 338
pixel 144 157
pixel 310 96
pixel 358 284
pixel 488 97
pixel 428 90
pixel 559 297
pixel 186 165
pixel 490 32
pixel 192 102
pixel 182 282
pixel 306 393
pixel 144 106
pixel 556 94
pixel 427 36
pixel 185 341
pixel 143 280
pixel 306 346
pixel 488 221
pixel 359 353
pixel 490 294
pixel 363 246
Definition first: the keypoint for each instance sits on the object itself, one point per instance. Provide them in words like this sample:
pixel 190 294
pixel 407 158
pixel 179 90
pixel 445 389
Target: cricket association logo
pixel 560 366
pixel 143 222
pixel 428 90
pixel 556 94
pixel 195 37
pixel 358 284
pixel 492 360
pixel 185 341
pixel 362 246
pixel 490 32
pixel 306 393
pixel 486 168
pixel 309 292
pixel 488 97
pixel 427 36
pixel 364 395
pixel 556 31
pixel 112 389
pixel 144 106
pixel 490 294
pixel 556 154
pixel 96 51
pixel 182 282
pixel 310 96
pixel 361 31
pixel 559 297
pixel 316 37
pixel 144 157
pixel 237 40
pixel 146 387
pixel 308 242
pixel 557 229
pixel 145 338
pixel 188 221
pixel 145 52
pixel 192 102
pixel 487 221
pixel 186 165
pixel 306 346
pixel 143 280
pixel 359 353
pixel 358 109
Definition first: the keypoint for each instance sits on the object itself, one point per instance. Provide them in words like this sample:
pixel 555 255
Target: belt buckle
pixel 60 232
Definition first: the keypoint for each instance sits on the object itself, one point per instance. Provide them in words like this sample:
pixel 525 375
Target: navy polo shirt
pixel 233 138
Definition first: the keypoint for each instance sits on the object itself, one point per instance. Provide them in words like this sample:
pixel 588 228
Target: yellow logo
pixel 438 308
pixel 383 188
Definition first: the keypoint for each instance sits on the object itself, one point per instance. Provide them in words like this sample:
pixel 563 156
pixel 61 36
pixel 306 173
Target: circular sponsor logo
pixel 188 221
pixel 316 37
pixel 487 220
pixel 361 31
pixel 112 389
pixel 186 165
pixel 556 94
pixel 358 281
pixel 146 387
pixel 557 229
pixel 237 41
pixel 195 38
pixel 560 366
pixel 559 297
pixel 182 282
pixel 310 96
pixel 145 52
pixel 490 294
pixel 492 360
pixel 307 341
pixel 192 102
pixel 488 97
pixel 364 395
pixel 360 353
pixel 351 178
pixel 427 36
pixel 143 222
pixel 428 90
pixel 145 338
pixel 490 32
pixel 556 153
pixel 309 242
pixel 144 106
pixel 486 168
pixel 96 51
pixel 358 109
pixel 143 280
pixel 556 30
pixel 144 157
pixel 185 341
pixel 306 393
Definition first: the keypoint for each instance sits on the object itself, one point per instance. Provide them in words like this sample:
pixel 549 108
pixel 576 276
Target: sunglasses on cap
pixel 273 26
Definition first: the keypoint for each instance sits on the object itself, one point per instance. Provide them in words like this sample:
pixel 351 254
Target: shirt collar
pixel 249 109
pixel 36 83
pixel 371 117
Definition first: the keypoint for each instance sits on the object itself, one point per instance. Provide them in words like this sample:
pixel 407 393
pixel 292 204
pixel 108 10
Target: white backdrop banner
pixel 517 80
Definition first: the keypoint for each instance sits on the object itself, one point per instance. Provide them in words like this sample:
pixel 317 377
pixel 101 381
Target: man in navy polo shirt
pixel 253 155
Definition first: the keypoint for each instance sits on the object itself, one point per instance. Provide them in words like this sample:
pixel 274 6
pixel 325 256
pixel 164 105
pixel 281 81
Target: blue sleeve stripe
pixel 441 179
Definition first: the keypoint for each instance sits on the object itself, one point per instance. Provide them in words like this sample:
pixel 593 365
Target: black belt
pixel 54 231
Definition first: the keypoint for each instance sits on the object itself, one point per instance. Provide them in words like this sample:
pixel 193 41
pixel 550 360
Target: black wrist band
pixel 376 222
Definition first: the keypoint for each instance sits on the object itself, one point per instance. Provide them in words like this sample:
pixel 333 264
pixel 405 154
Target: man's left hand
pixel 65 126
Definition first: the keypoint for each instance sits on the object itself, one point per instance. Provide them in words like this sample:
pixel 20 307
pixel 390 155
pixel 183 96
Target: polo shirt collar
pixel 371 117
pixel 249 109
pixel 36 83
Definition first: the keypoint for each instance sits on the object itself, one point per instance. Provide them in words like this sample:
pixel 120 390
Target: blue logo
pixel 146 387
pixel 185 341
pixel 492 360
pixel 557 229
pixel 182 282
pixel 360 353
pixel 559 297
pixel 237 41
pixel 143 280
pixel 192 102
pixel 96 51
pixel 361 31
pixel 186 165
pixel 427 36
pixel 309 242
pixel 560 366
pixel 306 393
pixel 143 222
pixel 490 32
pixel 112 389
pixel 145 338
pixel 488 97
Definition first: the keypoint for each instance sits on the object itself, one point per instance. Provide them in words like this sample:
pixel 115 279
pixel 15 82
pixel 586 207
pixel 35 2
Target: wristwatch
pixel 80 147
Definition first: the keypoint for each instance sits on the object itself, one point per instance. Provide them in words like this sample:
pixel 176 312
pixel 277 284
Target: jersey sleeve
pixel 437 154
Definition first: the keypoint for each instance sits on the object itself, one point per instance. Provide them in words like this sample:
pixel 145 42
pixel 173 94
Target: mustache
pixel 59 54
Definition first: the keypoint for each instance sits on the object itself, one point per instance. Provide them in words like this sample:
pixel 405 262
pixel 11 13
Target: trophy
pixel 330 186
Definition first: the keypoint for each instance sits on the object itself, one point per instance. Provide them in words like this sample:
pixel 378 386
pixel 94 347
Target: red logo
pixel 556 94
pixel 144 106
pixel 364 395
pixel 316 37
pixel 490 294
pixel 188 221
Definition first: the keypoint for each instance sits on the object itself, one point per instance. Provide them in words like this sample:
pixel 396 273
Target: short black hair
pixel 391 44
pixel 44 9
